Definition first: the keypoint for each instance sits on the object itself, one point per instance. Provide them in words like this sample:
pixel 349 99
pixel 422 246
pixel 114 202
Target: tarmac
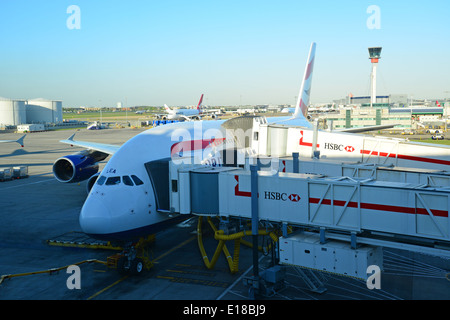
pixel 38 208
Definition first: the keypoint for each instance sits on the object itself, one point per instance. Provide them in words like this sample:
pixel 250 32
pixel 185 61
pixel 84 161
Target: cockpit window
pixel 136 180
pixel 127 181
pixel 101 180
pixel 112 181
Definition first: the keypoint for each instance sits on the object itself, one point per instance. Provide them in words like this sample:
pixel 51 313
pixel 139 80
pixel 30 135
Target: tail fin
pixel 199 104
pixel 167 108
pixel 20 140
pixel 303 96
pixel 438 104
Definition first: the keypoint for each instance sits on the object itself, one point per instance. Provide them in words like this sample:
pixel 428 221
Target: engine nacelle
pixel 77 167
pixel 91 181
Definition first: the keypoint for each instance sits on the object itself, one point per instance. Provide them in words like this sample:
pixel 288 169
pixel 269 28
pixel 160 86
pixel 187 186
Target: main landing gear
pixel 134 259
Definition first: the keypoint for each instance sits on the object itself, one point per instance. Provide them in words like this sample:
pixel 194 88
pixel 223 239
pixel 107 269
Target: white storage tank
pixel 12 112
pixel 44 111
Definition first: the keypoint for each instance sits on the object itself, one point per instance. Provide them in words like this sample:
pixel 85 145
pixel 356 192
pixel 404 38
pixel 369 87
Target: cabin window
pixel 101 180
pixel 136 180
pixel 112 181
pixel 127 181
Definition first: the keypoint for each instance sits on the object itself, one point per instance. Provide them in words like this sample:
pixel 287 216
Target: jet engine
pixel 92 180
pixel 78 167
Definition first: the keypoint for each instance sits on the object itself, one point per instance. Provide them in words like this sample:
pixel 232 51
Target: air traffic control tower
pixel 374 56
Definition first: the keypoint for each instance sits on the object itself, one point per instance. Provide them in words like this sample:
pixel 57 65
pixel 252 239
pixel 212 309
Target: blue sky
pixel 235 52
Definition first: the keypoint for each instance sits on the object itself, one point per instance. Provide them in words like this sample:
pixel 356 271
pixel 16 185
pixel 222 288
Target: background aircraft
pixel 19 141
pixel 95 126
pixel 185 114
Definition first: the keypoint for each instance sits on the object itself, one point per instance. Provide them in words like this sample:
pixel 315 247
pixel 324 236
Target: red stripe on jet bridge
pixel 405 157
pixel 237 192
pixel 305 144
pixel 193 145
pixel 382 207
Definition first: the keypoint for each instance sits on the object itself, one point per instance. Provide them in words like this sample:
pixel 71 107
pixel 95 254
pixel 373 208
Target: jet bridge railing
pixel 427 177
pixel 337 218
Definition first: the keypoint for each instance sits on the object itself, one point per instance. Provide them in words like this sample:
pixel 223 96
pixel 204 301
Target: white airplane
pixel 95 126
pixel 19 141
pixel 185 114
pixel 129 198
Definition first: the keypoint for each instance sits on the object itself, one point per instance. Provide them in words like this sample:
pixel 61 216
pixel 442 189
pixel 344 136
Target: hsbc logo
pixel 338 147
pixel 282 196
pixel 349 149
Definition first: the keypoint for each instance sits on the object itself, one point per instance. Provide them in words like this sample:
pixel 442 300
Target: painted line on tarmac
pixel 107 288
pixel 175 248
pixel 27 184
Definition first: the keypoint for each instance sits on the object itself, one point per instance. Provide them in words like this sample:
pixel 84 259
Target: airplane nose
pixel 95 217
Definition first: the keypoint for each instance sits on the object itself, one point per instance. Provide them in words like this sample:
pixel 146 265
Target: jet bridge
pixel 345 213
pixel 278 140
pixel 337 203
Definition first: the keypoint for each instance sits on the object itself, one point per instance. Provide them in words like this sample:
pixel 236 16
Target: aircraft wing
pixel 365 129
pixel 206 111
pixel 190 117
pixel 187 118
pixel 105 148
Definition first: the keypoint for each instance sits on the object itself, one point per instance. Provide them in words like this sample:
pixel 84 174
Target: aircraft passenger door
pixel 158 171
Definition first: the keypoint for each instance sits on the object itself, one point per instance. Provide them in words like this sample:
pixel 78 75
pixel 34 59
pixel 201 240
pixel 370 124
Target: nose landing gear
pixel 134 259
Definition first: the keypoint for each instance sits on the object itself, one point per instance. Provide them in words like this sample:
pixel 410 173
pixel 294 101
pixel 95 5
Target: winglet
pixel 303 96
pixel 20 140
pixel 71 137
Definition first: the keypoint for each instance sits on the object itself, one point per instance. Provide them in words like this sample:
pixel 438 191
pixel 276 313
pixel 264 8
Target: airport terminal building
pixel 388 110
pixel 349 117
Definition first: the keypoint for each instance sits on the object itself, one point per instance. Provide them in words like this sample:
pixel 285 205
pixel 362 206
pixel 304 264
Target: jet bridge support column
pixel 255 223
pixel 295 162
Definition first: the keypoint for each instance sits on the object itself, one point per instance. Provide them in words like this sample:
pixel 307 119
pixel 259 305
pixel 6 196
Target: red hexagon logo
pixel 294 197
pixel 349 149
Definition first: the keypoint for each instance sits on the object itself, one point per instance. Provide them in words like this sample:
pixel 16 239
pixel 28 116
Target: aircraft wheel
pixel 137 266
